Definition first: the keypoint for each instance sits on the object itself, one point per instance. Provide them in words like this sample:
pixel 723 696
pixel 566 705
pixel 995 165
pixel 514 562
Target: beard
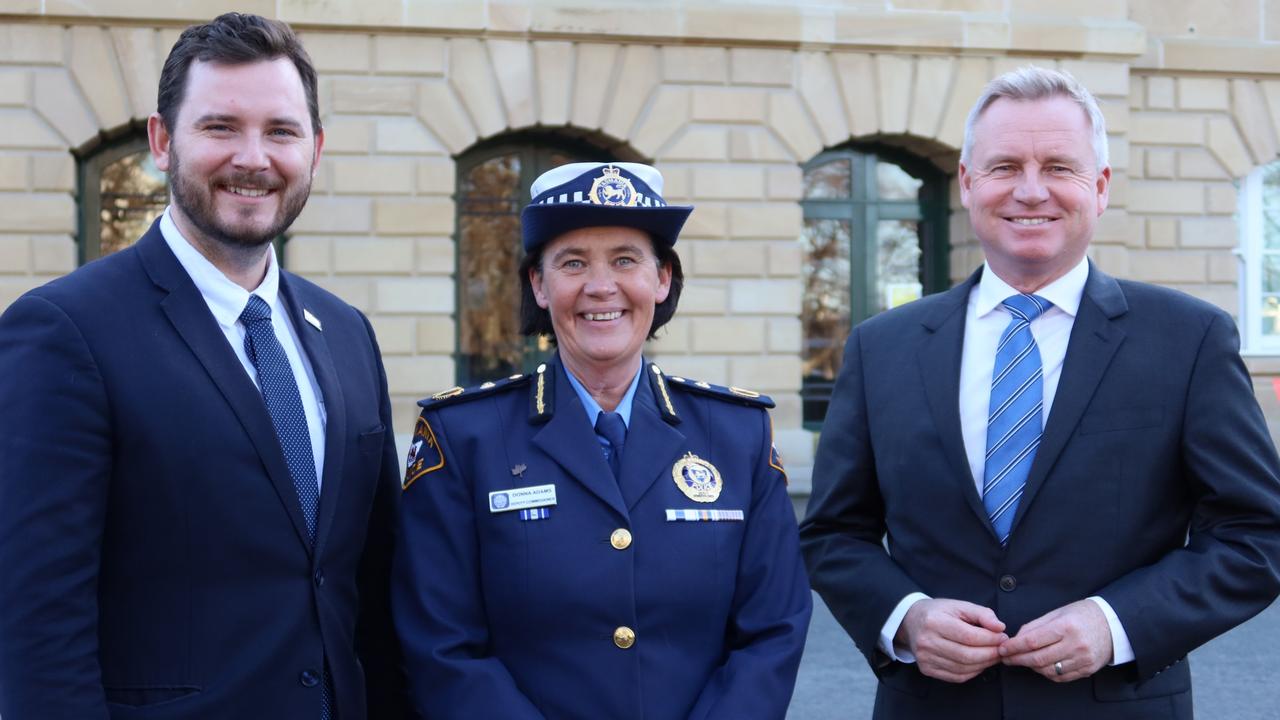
pixel 194 196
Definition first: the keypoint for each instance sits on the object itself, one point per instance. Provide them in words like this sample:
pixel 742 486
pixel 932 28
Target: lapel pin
pixel 315 321
pixel 518 470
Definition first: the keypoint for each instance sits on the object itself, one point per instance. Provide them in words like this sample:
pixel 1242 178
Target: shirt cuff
pixel 1121 649
pixel 890 629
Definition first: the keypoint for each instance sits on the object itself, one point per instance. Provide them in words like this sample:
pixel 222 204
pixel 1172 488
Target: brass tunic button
pixel 624 637
pixel 620 539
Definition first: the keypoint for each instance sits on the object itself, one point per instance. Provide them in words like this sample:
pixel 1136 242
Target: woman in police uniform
pixel 599 539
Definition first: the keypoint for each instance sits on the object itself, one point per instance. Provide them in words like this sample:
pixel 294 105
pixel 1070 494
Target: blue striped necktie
pixel 284 404
pixel 1015 419
pixel 611 427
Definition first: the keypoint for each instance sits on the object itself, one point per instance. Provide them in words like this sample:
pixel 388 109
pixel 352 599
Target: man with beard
pixel 197 469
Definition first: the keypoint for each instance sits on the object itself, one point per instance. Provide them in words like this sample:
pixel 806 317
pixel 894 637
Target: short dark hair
pixel 232 39
pixel 535 320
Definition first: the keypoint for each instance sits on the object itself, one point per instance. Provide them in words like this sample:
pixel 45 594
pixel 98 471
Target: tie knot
pixel 254 310
pixel 612 428
pixel 1026 307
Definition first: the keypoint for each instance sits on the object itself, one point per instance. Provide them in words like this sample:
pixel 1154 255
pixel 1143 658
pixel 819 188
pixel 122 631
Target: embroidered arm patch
pixel 425 455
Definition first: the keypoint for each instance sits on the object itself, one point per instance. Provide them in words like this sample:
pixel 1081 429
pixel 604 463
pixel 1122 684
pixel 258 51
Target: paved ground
pixel 1237 676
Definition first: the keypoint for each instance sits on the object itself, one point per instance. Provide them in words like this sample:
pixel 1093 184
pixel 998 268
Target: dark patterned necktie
pixel 611 427
pixel 284 404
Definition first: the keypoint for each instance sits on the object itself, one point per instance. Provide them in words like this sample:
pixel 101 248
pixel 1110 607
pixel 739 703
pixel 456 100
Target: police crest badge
pixel 425 455
pixel 613 189
pixel 698 479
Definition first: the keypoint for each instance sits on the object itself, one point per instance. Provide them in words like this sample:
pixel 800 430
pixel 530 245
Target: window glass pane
pixel 1270 273
pixel 489 340
pixel 893 183
pixel 1271 206
pixel 825 310
pixel 133 195
pixel 831 180
pixel 1270 315
pixel 898 247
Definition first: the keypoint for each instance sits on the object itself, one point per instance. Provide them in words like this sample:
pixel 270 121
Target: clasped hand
pixel 954 640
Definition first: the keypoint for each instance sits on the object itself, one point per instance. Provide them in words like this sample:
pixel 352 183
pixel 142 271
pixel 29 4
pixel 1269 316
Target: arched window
pixel 875 237
pixel 1260 256
pixel 121 194
pixel 493 187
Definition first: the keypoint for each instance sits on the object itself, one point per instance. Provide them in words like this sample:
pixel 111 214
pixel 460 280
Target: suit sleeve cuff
pixel 1121 649
pixel 890 629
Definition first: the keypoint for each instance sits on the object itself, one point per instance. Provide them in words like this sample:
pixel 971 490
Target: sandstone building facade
pixel 818 139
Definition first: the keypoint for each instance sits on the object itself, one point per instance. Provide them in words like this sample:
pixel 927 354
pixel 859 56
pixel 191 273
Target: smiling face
pixel 1033 188
pixel 600 286
pixel 242 154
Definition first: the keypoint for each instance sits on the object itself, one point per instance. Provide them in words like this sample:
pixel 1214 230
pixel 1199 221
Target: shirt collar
pixel 593 408
pixel 1064 293
pixel 225 298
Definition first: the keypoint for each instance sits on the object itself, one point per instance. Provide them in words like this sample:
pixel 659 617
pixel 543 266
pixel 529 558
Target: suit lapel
pixel 569 440
pixel 1094 341
pixel 939 360
pixel 190 316
pixel 315 345
pixel 652 445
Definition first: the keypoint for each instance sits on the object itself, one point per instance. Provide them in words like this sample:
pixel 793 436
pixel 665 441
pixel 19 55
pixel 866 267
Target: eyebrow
pixel 232 119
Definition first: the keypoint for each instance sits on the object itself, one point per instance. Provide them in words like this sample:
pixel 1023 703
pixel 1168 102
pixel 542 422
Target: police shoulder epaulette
pixel 459 394
pixel 731 394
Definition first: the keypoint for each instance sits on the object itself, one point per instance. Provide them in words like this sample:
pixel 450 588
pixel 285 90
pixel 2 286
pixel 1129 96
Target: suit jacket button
pixel 309 678
pixel 1008 583
pixel 319 577
pixel 620 539
pixel 624 637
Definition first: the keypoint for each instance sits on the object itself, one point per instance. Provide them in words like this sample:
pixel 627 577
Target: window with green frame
pixel 875 237
pixel 121 192
pixel 492 188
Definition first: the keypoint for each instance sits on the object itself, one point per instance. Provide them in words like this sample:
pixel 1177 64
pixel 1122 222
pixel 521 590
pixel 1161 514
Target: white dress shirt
pixel 985 321
pixel 226 300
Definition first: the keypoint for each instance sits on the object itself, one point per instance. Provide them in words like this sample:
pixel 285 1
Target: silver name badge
pixel 522 498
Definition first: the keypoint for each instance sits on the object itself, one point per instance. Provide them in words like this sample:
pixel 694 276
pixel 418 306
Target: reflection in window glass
pixel 489 340
pixel 898 281
pixel 133 194
pixel 832 180
pixel 893 183
pixel 826 297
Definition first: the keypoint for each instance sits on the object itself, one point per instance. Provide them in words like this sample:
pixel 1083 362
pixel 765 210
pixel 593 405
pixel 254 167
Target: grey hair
pixel 1035 83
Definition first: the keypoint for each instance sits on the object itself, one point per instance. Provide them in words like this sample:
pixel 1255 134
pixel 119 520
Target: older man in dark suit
pixel 198 478
pixel 1074 479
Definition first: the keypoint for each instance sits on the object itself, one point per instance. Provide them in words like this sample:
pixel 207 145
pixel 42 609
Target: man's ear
pixel 159 139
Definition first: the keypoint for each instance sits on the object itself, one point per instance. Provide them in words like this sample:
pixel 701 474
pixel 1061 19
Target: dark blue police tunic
pixel 675 592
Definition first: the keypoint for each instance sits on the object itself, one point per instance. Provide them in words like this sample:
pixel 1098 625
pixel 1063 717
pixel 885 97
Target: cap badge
pixel 698 479
pixel 613 189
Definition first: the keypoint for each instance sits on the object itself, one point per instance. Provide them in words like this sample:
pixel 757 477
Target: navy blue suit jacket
pixel 154 561
pixel 1156 486
pixel 506 617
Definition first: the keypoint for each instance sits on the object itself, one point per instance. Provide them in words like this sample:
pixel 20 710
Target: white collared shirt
pixel 226 300
pixel 985 321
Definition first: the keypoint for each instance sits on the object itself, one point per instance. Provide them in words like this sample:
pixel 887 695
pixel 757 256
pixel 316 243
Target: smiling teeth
pixel 1030 221
pixel 604 316
pixel 247 192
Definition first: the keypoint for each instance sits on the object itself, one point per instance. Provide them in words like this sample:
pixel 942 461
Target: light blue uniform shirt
pixel 593 408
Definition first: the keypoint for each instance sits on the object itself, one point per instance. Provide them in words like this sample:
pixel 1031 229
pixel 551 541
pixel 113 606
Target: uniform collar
pixel 593 408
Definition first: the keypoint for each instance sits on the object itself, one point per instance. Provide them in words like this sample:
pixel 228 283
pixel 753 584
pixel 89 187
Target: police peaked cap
pixel 592 194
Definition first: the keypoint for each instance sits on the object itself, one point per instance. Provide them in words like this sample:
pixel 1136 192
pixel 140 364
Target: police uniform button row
pixel 620 539
pixel 624 637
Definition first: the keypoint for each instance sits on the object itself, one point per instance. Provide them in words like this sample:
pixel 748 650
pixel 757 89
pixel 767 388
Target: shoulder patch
pixel 731 394
pixel 456 395
pixel 425 455
pixel 775 460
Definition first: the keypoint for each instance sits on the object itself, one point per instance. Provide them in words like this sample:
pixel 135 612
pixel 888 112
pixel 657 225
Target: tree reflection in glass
pixel 134 194
pixel 489 340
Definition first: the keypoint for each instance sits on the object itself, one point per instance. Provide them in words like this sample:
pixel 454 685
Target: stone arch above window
pixel 874 237
pixel 493 179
